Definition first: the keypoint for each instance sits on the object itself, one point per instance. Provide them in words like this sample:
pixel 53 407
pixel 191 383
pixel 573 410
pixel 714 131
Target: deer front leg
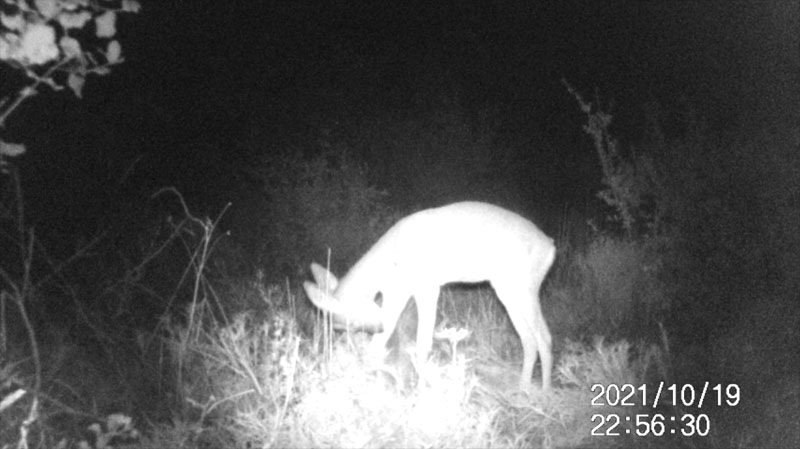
pixel 426 300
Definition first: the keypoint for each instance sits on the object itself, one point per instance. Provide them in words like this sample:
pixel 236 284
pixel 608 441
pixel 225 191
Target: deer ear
pixel 319 297
pixel 357 315
pixel 323 277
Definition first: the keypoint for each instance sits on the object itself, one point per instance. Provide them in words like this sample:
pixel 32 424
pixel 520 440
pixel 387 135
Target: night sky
pixel 207 87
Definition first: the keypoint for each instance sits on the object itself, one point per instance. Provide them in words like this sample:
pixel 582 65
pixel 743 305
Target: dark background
pixel 437 101
pixel 208 87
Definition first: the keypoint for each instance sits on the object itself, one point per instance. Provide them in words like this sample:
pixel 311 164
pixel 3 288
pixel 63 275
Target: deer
pixel 463 242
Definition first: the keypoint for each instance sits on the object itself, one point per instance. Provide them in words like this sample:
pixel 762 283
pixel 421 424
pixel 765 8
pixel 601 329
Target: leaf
pixel 70 20
pixel 76 82
pixel 13 23
pixel 11 398
pixel 39 44
pixel 113 52
pixel 106 24
pixel 131 6
pixel 48 8
pixel 70 46
pixel 71 5
pixel 11 149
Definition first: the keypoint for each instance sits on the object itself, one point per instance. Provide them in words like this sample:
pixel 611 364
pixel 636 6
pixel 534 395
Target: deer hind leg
pixel 521 311
pixel 543 339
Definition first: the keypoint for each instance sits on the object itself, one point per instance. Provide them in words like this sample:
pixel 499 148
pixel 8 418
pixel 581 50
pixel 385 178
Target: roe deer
pixel 462 242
